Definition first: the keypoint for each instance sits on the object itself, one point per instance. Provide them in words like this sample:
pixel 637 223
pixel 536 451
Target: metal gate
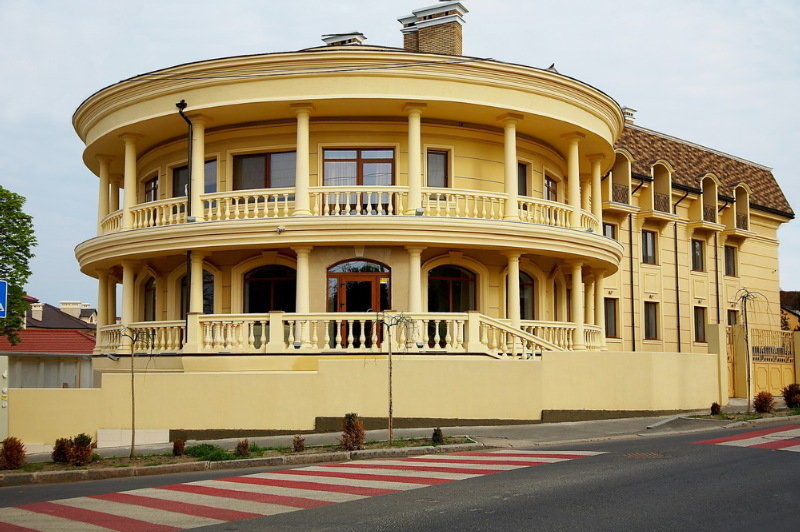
pixel 773 359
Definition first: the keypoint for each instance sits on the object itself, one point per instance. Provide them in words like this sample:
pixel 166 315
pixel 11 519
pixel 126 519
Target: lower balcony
pixel 280 333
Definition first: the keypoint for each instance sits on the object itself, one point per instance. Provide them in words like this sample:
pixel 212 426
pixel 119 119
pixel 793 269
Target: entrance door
pixel 358 286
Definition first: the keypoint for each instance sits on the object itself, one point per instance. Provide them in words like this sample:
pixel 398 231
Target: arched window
pixel 208 294
pixel 359 286
pixel 270 288
pixel 451 289
pixel 149 300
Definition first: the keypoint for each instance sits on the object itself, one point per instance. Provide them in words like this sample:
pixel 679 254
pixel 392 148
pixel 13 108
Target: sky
pixel 725 74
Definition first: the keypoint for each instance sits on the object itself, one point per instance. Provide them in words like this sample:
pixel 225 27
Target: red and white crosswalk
pixel 786 438
pixel 212 502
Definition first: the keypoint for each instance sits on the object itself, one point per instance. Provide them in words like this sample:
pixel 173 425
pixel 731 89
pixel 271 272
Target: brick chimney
pixel 434 29
pixel 36 311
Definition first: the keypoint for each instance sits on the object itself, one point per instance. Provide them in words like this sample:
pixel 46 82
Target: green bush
pixel 208 452
pixel 791 394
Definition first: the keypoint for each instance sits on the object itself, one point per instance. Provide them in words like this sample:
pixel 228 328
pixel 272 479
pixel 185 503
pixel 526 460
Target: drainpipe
pixel 677 281
pixel 182 105
pixel 630 262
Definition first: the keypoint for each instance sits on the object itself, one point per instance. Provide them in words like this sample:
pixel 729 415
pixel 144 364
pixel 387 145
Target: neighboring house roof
pixel 794 312
pixel 50 341
pixel 87 312
pixel 54 318
pixel 691 162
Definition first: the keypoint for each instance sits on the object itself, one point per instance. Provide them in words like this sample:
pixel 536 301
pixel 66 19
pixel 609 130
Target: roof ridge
pixel 700 146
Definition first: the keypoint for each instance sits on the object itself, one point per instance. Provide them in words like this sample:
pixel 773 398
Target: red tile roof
pixel 50 341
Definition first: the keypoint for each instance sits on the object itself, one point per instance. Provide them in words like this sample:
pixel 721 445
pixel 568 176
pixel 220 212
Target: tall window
pixel 650 320
pixel 437 169
pixel 730 261
pixel 208 294
pixel 270 288
pixel 263 170
pixel 648 247
pixel 550 189
pixel 368 167
pixel 733 317
pixel 522 179
pixel 612 315
pixel 698 256
pixel 180 179
pixel 151 189
pixel 699 324
pixel 451 289
pixel 527 296
pixel 149 300
pixel 610 230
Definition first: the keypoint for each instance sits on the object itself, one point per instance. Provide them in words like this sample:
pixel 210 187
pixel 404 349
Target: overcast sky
pixel 725 74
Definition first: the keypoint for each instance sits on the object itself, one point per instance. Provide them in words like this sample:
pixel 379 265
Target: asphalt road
pixel 653 483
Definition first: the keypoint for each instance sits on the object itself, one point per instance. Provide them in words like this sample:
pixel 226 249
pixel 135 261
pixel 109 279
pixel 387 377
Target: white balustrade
pixel 234 333
pixel 545 212
pixel 460 203
pixel 589 222
pixel 248 204
pixel 156 336
pixel 111 223
pixel 358 201
pixel 158 213
pixel 109 338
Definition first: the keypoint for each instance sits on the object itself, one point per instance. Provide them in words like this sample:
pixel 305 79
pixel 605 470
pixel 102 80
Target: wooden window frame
pixel 526 166
pixel 428 151
pixel 148 189
pixel 702 256
pixel 186 166
pixel 360 163
pixel 653 305
pixel 614 229
pixel 547 188
pixel 700 332
pixel 267 155
pixel 735 262
pixel 616 317
pixel 645 258
pixel 732 312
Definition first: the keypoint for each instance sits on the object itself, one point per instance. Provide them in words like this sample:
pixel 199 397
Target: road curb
pixel 761 421
pixel 76 475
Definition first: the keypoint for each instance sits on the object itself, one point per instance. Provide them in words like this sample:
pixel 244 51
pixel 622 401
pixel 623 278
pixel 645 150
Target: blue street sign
pixel 3 298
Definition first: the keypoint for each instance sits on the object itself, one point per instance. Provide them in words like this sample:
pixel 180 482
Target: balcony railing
pixel 709 213
pixel 620 193
pixel 540 211
pixel 287 333
pixel 741 222
pixel 458 203
pixel 248 204
pixel 349 201
pixel 358 201
pixel 157 213
pixel 661 202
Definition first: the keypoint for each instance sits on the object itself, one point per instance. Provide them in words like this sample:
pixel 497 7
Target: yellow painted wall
pixel 433 387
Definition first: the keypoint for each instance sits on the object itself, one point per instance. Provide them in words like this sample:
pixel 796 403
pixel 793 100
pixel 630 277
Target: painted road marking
pixel 217 501
pixel 786 438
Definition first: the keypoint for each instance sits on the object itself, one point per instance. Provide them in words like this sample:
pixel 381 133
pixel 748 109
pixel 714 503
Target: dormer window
pixel 661 189
pixel 709 200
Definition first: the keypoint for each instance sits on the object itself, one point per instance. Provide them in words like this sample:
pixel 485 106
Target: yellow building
pixel 525 235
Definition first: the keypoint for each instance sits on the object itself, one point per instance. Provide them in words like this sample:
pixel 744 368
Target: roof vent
pixel 434 29
pixel 629 113
pixel 344 39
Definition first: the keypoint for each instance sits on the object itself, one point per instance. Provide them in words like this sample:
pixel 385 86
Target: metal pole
pixel 389 340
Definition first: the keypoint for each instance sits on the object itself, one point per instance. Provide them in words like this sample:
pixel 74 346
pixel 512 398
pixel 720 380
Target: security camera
pixel 115 358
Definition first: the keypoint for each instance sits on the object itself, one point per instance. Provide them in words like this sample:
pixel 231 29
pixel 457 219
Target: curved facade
pixel 358 154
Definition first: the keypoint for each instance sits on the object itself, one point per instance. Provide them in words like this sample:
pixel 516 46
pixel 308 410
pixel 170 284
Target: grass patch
pixel 33 468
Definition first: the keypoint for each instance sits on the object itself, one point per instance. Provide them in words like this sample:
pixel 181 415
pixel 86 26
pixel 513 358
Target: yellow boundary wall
pixel 424 387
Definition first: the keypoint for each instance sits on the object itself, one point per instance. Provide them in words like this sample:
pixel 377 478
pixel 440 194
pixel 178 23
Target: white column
pixel 302 200
pixel 414 279
pixel 586 185
pixel 414 111
pixel 111 300
pixel 578 341
pixel 128 276
pixel 512 303
pixel 198 176
pixel 510 163
pixel 597 199
pixel 574 177
pixel 600 304
pixel 302 303
pixel 102 298
pixel 588 305
pixel 103 195
pixel 196 283
pixel 129 180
